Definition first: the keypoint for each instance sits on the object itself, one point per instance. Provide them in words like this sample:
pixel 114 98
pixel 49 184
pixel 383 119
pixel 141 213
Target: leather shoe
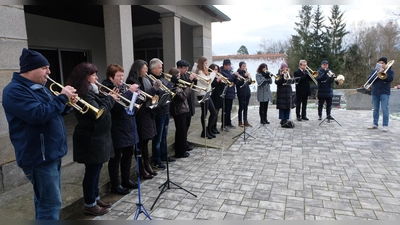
pixel 304 118
pixel 298 119
pixel 183 156
pixel 189 147
pixel 104 204
pixel 95 210
pixel 169 159
pixel 129 185
pixel 120 190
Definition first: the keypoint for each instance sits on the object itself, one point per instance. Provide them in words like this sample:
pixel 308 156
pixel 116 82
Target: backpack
pixel 288 124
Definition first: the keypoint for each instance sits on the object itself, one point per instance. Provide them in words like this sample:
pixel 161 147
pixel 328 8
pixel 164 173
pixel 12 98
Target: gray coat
pixel 263 89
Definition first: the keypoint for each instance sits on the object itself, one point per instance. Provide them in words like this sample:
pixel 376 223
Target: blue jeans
pixel 284 114
pixel 381 101
pixel 46 181
pixel 159 143
pixel 90 184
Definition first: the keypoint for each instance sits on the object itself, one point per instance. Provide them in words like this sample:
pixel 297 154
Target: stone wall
pixel 359 101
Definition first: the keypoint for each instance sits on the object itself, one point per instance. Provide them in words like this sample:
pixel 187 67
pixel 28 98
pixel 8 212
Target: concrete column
pixel 171 32
pixel 13 37
pixel 118 35
pixel 202 45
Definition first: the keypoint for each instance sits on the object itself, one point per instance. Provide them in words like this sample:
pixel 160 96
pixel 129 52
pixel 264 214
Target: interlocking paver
pixel 344 173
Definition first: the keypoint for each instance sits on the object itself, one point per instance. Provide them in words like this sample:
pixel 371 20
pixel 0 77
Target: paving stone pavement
pixel 311 172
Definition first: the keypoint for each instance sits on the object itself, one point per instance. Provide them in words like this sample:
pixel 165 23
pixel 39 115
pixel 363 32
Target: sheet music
pixel 133 100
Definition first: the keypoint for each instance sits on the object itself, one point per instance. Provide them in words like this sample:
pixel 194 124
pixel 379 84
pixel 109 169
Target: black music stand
pixel 290 81
pixel 139 206
pixel 165 186
pixel 244 127
pixel 223 116
pixel 203 100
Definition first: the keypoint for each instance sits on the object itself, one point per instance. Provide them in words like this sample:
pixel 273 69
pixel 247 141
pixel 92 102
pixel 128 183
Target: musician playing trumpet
pixel 380 95
pixel 325 91
pixel 243 94
pixel 283 95
pixel 123 132
pixel 264 95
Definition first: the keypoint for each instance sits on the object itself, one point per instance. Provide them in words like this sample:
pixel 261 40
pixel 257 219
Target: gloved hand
pixel 157 84
pixel 174 79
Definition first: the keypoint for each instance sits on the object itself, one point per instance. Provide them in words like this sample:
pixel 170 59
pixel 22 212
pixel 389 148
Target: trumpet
pixel 208 81
pixel 184 84
pixel 143 95
pixel 162 87
pixel 331 74
pixel 381 75
pixel 285 73
pixel 110 91
pixel 84 109
pixel 224 79
pixel 312 74
pixel 340 79
pixel 271 74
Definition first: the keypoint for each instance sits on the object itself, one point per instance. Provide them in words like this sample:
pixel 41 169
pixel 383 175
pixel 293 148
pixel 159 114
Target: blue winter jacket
pixel 325 89
pixel 36 126
pixel 382 87
pixel 230 91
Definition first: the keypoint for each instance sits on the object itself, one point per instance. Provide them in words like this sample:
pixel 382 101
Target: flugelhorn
pixel 224 79
pixel 162 87
pixel 340 79
pixel 86 106
pixel 143 95
pixel 110 91
pixel 183 83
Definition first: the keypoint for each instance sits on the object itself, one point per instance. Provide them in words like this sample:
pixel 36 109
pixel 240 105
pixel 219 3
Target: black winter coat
pixel 325 89
pixel 123 129
pixel 230 92
pixel 245 90
pixel 191 99
pixel 216 93
pixel 145 117
pixel 283 94
pixel 303 87
pixel 92 143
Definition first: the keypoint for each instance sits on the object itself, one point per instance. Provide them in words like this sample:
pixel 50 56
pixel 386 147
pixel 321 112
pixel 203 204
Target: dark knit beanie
pixel 241 63
pixel 30 60
pixel 384 59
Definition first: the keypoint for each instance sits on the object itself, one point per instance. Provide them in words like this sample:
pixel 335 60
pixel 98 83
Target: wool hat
pixel 241 63
pixel 226 62
pixel 182 63
pixel 384 59
pixel 284 65
pixel 324 62
pixel 30 60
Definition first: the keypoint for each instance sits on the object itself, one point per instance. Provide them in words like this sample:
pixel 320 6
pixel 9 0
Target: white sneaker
pixel 385 129
pixel 373 127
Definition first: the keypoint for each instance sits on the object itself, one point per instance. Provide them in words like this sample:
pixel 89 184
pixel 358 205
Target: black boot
pixel 203 134
pixel 210 133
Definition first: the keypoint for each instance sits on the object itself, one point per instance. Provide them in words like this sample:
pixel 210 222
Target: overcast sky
pixel 250 23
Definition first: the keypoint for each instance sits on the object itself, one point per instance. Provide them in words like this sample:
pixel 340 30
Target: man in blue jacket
pixel 37 130
pixel 380 95
pixel 226 70
pixel 325 89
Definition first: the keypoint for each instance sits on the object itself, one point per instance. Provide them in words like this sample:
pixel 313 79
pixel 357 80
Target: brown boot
pixel 246 123
pixel 143 172
pixel 148 168
pixel 240 124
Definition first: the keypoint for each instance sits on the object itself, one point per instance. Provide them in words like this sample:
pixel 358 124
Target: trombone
pixel 224 79
pixel 312 74
pixel 381 75
pixel 110 91
pixel 143 95
pixel 86 106
pixel 185 83
pixel 162 87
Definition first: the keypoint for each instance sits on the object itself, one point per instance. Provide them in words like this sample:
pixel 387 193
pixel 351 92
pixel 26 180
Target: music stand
pixel 165 186
pixel 205 98
pixel 244 127
pixel 139 206
pixel 290 81
pixel 223 117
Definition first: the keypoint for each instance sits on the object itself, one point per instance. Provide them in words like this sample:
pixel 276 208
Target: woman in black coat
pixel 92 143
pixel 283 94
pixel 145 118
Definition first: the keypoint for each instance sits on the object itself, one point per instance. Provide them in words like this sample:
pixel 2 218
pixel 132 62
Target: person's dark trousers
pixel 159 143
pixel 46 182
pixel 303 103
pixel 123 157
pixel 90 184
pixel 228 110
pixel 180 135
pixel 207 106
pixel 263 111
pixel 321 105
pixel 188 121
pixel 243 107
